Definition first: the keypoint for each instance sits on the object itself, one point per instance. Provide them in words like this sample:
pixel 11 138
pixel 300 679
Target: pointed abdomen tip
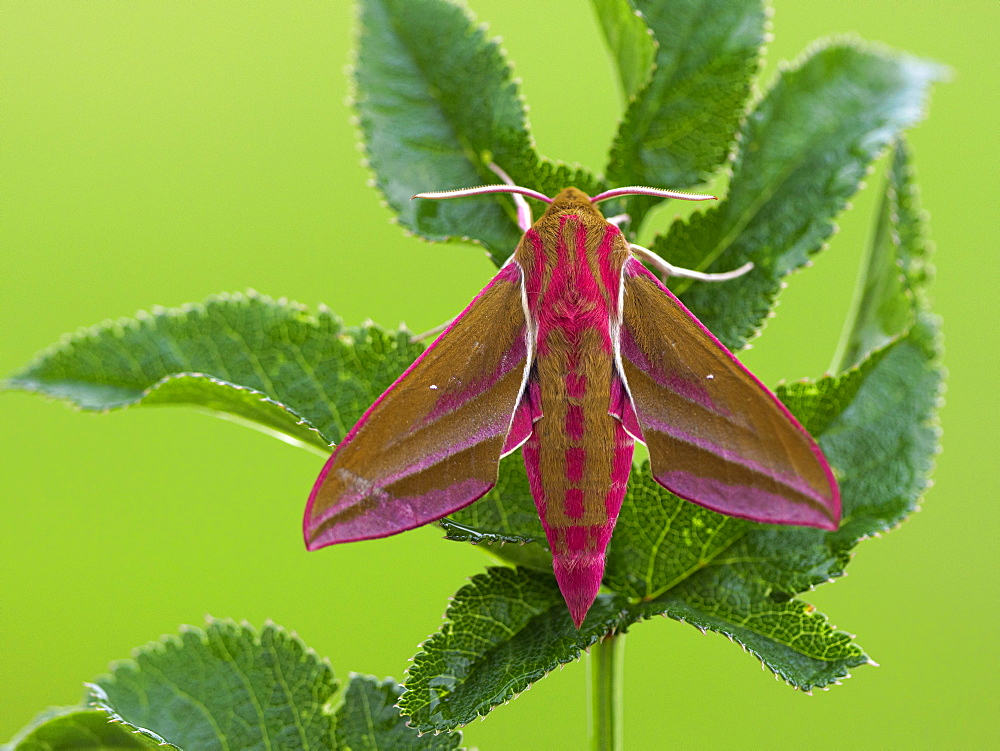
pixel 579 577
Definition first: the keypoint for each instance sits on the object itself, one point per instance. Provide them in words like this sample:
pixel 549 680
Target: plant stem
pixel 606 659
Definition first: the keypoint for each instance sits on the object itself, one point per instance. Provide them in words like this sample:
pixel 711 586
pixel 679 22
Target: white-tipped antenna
pixel 483 190
pixel 638 190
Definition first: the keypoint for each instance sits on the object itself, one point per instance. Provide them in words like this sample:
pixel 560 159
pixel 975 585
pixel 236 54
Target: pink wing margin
pixel 431 443
pixel 716 435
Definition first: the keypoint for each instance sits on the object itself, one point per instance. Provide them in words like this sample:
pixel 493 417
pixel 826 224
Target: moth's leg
pixel 430 332
pixel 524 220
pixel 668 269
pixel 618 220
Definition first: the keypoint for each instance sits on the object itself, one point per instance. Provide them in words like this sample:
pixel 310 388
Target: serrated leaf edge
pixel 374 181
pixel 613 623
pixel 98 699
pixel 724 170
pixel 148 317
pixel 843 41
pixel 175 641
pixel 835 680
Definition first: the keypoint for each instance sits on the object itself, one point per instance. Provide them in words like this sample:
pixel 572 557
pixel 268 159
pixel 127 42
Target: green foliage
pixel 804 151
pixel 81 728
pixel 660 539
pixel 228 686
pixel 225 687
pixel 791 638
pixel 895 271
pixel 270 363
pixel 681 126
pixel 368 720
pixel 503 631
pixel 437 103
pixel 509 627
pixel 630 41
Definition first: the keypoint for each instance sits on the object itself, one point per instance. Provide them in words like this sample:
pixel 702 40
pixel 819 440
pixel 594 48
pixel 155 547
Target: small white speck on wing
pixel 709 377
pixel 433 385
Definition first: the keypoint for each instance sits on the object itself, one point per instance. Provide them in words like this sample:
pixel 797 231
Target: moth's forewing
pixel 432 442
pixel 716 435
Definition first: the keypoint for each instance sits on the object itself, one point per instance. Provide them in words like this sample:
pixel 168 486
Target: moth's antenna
pixel 524 220
pixel 637 190
pixel 483 190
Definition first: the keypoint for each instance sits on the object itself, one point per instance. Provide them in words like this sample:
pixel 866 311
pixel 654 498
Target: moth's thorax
pixel 571 234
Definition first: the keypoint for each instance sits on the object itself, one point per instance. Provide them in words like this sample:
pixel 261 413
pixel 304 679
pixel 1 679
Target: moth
pixel 572 353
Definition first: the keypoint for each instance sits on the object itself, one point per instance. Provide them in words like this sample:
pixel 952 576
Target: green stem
pixel 606 659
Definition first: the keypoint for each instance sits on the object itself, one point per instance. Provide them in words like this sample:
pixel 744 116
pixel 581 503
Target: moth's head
pixel 571 198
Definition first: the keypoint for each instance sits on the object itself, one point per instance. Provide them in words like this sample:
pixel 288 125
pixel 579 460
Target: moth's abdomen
pixel 579 503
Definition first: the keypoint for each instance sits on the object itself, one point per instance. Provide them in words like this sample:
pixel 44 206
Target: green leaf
pixel 271 364
pixel 894 269
pixel 912 243
pixel 78 728
pixel 792 639
pixel 509 627
pixel 216 686
pixel 630 40
pixel 368 720
pixel 681 126
pixel 227 686
pixel 437 103
pixel 803 152
pixel 503 631
pixel 881 311
pixel 661 539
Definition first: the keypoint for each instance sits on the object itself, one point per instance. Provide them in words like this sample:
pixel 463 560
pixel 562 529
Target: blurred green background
pixel 154 153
